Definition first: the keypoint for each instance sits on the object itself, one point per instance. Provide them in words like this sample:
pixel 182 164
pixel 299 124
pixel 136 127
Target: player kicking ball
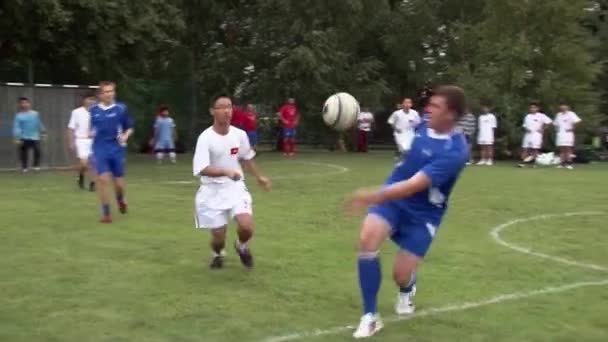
pixel 110 128
pixel 409 206
pixel 220 152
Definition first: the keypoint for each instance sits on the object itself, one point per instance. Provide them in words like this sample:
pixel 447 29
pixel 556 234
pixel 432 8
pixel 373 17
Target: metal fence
pixel 54 103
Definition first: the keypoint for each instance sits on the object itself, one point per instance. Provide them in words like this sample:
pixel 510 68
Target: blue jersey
pixel 27 125
pixel 163 129
pixel 107 122
pixel 441 157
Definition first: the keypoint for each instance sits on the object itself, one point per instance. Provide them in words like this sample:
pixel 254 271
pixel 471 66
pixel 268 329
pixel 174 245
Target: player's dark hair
pixel 563 103
pixel 214 98
pixel 454 98
pixel 534 103
pixel 23 98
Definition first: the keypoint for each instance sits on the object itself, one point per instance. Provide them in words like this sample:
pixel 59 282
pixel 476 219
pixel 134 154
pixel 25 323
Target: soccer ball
pixel 340 111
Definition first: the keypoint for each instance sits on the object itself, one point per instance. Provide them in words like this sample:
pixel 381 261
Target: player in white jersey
pixel 79 139
pixel 485 136
pixel 565 122
pixel 404 121
pixel 220 152
pixel 534 125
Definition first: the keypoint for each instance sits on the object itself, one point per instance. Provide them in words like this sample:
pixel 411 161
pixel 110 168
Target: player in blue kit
pixel 110 128
pixel 409 206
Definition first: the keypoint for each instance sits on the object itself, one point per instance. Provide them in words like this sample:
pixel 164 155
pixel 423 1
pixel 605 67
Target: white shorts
pixel 485 139
pixel 532 140
pixel 83 148
pixel 565 139
pixel 404 141
pixel 216 204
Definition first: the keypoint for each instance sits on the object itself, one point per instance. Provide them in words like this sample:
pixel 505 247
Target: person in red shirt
pixel 248 124
pixel 237 117
pixel 288 120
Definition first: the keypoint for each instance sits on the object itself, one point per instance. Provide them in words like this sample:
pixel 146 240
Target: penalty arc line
pixel 495 234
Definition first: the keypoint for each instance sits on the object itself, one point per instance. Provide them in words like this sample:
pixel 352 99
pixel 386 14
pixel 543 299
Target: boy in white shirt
pixel 79 139
pixel 534 125
pixel 404 121
pixel 485 136
pixel 220 152
pixel 565 122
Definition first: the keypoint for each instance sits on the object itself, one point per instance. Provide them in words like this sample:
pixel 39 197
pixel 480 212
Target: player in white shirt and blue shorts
pixel 565 122
pixel 534 125
pixel 220 152
pixel 404 121
pixel 79 139
pixel 486 127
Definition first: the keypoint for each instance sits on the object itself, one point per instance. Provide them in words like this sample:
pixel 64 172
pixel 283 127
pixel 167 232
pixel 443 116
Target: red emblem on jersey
pixel 234 150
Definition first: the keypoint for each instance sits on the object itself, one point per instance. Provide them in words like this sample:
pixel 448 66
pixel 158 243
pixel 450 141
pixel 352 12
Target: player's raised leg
pixel 374 231
pixel 245 233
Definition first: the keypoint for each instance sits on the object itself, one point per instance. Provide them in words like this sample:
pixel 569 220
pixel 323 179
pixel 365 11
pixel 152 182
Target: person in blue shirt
pixel 164 136
pixel 111 128
pixel 27 131
pixel 409 207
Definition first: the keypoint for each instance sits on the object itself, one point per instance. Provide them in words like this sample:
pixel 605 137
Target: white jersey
pixel 80 123
pixel 365 120
pixel 565 121
pixel 534 122
pixel 403 122
pixel 223 151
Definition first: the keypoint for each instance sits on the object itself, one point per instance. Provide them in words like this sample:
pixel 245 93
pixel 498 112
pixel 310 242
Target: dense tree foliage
pixel 505 52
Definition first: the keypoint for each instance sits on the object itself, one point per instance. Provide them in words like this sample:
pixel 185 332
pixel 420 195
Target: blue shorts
pixel 410 232
pixel 164 146
pixel 253 137
pixel 288 132
pixel 108 159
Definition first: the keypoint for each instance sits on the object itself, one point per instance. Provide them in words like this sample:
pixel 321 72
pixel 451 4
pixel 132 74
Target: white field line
pixel 335 170
pixel 495 233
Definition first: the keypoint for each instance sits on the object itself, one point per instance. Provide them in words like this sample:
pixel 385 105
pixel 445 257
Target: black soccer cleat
pixel 122 207
pixel 217 262
pixel 92 187
pixel 245 255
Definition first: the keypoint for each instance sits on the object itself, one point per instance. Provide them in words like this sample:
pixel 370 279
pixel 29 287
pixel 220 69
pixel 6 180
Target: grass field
pixel 64 277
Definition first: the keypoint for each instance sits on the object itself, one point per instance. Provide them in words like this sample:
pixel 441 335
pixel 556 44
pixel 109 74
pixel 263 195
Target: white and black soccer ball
pixel 341 111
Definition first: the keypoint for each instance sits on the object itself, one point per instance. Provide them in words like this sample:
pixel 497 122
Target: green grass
pixel 64 277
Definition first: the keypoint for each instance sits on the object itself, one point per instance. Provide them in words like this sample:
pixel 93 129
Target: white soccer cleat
pixel 368 326
pixel 569 167
pixel 481 162
pixel 489 163
pixel 405 303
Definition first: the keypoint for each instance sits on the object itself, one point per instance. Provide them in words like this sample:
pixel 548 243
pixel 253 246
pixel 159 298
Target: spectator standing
pixel 27 131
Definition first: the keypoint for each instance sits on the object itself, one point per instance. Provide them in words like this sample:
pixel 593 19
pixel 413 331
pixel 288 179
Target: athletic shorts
pixel 253 137
pixel 164 146
pixel 216 204
pixel 410 232
pixel 404 141
pixel 485 139
pixel 565 139
pixel 533 140
pixel 288 132
pixel 109 158
pixel 83 148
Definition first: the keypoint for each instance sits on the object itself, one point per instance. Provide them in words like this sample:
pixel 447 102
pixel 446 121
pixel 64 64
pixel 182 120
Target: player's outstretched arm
pixel 250 167
pixel 363 198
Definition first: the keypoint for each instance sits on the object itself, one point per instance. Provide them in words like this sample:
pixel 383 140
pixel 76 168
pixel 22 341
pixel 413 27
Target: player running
pixel 565 122
pixel 220 152
pixel 409 207
pixel 164 136
pixel 288 121
pixel 404 121
pixel 534 124
pixel 110 128
pixel 485 136
pixel 79 139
